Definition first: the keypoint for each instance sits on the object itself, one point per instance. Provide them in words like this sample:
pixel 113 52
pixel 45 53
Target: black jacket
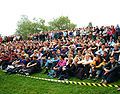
pixel 112 66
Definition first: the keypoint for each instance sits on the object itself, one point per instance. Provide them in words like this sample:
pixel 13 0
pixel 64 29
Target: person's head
pixel 58 51
pixel 27 58
pixel 22 57
pixel 87 56
pixel 105 53
pixel 48 58
pixel 62 57
pixel 70 61
pixel 112 59
pixel 79 53
pixel 115 47
pixel 98 58
pixel 76 59
pixel 35 57
pixel 3 53
pixel 70 55
pixel 35 51
pixel 103 46
pixel 55 57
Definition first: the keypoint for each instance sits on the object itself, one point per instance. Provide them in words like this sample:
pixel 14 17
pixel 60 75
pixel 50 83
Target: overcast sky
pixel 81 12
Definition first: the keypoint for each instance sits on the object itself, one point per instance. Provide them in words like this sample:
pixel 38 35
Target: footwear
pixel 60 78
pixel 96 76
pixel 105 82
pixel 90 75
pixel 27 74
pixel 94 79
pixel 46 72
pixel 101 81
pixel 118 89
pixel 66 79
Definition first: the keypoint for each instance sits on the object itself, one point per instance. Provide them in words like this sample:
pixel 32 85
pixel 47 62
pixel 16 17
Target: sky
pixel 80 12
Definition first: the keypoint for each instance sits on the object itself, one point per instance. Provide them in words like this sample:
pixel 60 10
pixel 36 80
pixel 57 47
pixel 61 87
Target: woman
pixel 86 64
pixel 59 66
pixel 68 70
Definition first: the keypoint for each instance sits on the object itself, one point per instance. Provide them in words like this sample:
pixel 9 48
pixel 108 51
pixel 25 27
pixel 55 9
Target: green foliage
pixel 61 23
pixel 26 26
pixel 90 24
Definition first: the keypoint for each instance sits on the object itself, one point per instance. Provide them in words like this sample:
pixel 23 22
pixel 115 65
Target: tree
pixel 90 24
pixel 39 25
pixel 25 26
pixel 61 23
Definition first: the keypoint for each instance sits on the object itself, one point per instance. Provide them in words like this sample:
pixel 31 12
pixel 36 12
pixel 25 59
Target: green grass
pixel 13 84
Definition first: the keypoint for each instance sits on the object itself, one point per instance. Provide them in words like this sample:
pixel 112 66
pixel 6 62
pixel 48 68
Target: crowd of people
pixel 85 53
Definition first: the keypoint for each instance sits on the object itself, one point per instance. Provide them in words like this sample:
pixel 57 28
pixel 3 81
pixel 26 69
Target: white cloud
pixel 79 11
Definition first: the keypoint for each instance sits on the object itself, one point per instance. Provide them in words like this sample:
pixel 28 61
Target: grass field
pixel 13 84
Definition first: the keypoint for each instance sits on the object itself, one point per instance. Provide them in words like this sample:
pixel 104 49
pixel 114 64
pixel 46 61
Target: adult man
pixel 111 71
pixel 32 67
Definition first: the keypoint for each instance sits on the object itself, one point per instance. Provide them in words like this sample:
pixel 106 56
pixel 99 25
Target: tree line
pixel 25 26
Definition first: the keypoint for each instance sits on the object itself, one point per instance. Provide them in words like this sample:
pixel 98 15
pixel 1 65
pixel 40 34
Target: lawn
pixel 13 84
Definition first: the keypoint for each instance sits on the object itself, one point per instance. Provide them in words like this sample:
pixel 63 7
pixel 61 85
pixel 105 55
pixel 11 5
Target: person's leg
pixel 112 77
pixel 118 89
pixel 4 65
pixel 87 69
pixel 58 72
pixel 104 77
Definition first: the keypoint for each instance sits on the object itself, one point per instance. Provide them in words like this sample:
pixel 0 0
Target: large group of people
pixel 85 53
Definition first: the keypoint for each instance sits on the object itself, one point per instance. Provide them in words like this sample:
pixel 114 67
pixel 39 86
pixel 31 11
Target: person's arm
pixel 93 63
pixel 117 51
pixel 55 60
pixel 92 54
pixel 94 48
pixel 28 64
pixel 100 65
pixel 80 62
pixel 105 67
pixel 32 65
pixel 83 51
pixel 6 58
pixel 16 62
pixel 98 52
pixel 87 62
pixel 115 67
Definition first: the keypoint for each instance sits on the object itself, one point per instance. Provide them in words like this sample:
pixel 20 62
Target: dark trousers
pixel 4 64
pixel 112 76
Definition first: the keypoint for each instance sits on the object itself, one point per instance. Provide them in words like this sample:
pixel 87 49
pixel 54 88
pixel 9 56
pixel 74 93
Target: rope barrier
pixel 72 82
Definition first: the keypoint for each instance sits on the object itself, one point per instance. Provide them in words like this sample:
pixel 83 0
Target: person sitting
pixel 111 71
pixel 32 67
pixel 17 65
pixel 59 66
pixel 116 52
pixel 86 63
pixel 68 70
pixel 4 60
pixel 97 66
pixel 101 50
